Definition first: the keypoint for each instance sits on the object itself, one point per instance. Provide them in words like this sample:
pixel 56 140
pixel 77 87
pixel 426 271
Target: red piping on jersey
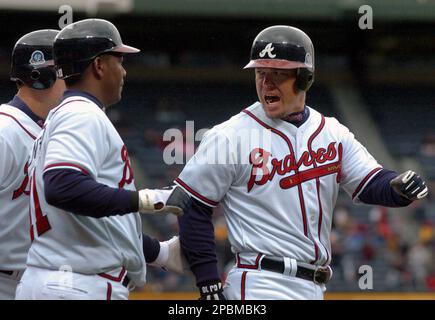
pixel 109 291
pixel 243 285
pixel 304 213
pixel 196 194
pixel 32 235
pixel 75 100
pixel 364 181
pixel 66 164
pixel 113 278
pixel 41 221
pixel 315 134
pixel 319 230
pixel 316 252
pixel 287 140
pixel 249 266
pixel 19 123
pixel 319 223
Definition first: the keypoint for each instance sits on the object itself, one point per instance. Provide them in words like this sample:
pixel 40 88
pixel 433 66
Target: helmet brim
pixel 275 64
pixel 125 49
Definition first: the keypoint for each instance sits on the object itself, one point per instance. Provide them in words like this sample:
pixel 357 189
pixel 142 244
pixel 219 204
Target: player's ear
pixel 296 90
pixel 98 67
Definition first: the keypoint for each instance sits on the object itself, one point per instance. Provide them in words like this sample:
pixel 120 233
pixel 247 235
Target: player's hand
pixel 410 185
pixel 158 201
pixel 211 290
pixel 170 256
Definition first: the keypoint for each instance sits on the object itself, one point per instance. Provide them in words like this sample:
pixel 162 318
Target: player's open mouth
pixel 271 99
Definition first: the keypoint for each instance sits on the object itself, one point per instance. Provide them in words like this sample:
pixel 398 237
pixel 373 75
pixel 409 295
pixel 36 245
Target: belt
pixel 126 281
pixel 8 272
pixel 317 274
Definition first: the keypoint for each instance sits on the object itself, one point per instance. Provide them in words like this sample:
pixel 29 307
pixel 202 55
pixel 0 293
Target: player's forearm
pixel 379 191
pixel 78 193
pixel 197 241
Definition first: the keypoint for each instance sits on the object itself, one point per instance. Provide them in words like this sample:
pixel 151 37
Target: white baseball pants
pixel 44 284
pixel 247 281
pixel 8 285
pixel 242 284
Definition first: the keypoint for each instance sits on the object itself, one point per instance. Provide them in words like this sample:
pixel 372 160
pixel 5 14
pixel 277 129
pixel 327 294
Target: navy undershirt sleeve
pixel 76 192
pixel 379 192
pixel 198 241
pixel 151 248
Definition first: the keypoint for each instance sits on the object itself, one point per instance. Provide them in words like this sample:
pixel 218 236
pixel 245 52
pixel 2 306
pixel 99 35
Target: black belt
pixel 126 281
pixel 319 274
pixel 8 272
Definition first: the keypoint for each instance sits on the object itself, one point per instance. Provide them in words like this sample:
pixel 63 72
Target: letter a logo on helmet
pixel 268 49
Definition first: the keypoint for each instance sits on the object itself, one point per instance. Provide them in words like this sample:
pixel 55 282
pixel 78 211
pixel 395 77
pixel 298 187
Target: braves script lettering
pixel 127 174
pixel 259 158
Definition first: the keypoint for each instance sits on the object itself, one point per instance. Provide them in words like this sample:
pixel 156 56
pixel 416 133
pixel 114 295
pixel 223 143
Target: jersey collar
pixel 21 105
pixel 298 118
pixel 74 93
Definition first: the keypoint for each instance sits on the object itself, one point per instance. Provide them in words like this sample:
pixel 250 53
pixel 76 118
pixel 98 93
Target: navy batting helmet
pixel 284 47
pixel 79 43
pixel 32 59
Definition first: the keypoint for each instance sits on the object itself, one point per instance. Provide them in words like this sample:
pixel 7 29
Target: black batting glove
pixel 179 198
pixel 211 290
pixel 410 185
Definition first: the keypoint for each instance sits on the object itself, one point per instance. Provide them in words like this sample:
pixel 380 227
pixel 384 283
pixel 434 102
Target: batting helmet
pixel 284 47
pixel 79 43
pixel 32 59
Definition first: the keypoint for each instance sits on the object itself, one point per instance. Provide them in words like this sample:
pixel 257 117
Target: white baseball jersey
pixel 17 133
pixel 278 192
pixel 78 135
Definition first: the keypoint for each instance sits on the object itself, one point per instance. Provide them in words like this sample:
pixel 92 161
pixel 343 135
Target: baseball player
pixel 85 226
pixel 278 185
pixel 21 120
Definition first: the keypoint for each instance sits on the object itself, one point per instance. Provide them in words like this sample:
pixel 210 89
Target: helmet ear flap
pixel 42 78
pixel 304 79
pixel 36 78
pixel 50 75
